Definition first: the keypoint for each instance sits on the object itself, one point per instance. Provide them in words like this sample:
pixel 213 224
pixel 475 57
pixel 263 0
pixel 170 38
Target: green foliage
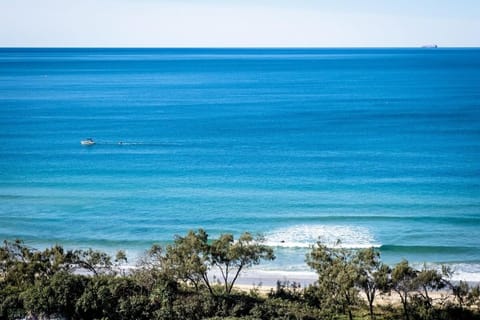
pixel 427 280
pixel 91 260
pixel 11 306
pixel 372 275
pixel 172 283
pixel 473 297
pixel 135 306
pixel 337 275
pixel 188 259
pixel 120 260
pixel 287 291
pixel 403 282
pixel 56 295
pixel 20 265
pixel 276 308
pixel 461 291
pixel 97 300
pixel 413 287
pixel 232 257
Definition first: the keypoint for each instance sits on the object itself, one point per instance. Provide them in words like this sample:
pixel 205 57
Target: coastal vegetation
pixel 176 282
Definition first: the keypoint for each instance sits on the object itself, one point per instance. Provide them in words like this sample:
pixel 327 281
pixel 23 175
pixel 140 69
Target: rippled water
pixel 373 146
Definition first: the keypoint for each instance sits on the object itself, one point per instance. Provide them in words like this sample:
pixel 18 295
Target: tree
pixel 473 297
pixel 232 257
pixel 460 292
pixel 92 260
pixel 98 300
pixel 403 282
pixel 372 275
pixel 189 260
pixel 21 265
pixel 120 260
pixel 426 280
pixel 55 296
pixel 336 275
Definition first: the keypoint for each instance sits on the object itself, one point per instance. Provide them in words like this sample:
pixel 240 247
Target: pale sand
pixel 380 300
pixel 270 278
pixel 264 282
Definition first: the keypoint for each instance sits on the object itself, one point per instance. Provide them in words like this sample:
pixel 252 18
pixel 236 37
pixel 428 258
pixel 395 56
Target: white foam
pixel 469 272
pixel 303 236
pixel 466 272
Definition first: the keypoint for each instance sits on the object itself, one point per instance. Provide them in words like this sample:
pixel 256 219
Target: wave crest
pixel 303 236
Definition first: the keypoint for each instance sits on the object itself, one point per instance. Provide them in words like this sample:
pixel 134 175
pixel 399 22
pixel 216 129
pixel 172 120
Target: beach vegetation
pixel 231 257
pixel 188 259
pixel 461 291
pixel 94 261
pixel 403 283
pixel 175 282
pixel 337 274
pixel 372 275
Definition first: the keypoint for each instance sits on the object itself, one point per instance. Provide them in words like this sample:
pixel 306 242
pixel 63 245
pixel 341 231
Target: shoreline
pixel 391 298
pixel 269 278
pixel 263 282
pixel 264 278
pixel 463 271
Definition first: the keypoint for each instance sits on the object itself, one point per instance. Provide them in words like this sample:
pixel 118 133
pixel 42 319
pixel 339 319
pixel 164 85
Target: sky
pixel 239 23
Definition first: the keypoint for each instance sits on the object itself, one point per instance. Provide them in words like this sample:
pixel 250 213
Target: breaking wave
pixel 303 236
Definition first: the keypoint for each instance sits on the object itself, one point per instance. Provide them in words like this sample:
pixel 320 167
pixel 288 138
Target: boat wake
pixel 130 143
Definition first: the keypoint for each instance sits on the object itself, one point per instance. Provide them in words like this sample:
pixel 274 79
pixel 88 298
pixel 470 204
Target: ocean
pixel 375 147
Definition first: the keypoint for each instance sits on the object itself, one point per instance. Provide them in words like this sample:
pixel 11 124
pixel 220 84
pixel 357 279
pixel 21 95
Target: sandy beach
pixel 269 279
pixel 393 298
pixel 265 282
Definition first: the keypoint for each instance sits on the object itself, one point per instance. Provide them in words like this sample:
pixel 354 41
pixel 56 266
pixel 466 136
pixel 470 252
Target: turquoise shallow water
pixel 373 146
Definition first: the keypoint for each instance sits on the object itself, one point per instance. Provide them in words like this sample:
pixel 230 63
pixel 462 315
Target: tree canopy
pixel 176 282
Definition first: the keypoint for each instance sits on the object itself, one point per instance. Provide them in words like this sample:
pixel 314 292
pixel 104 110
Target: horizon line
pixel 427 46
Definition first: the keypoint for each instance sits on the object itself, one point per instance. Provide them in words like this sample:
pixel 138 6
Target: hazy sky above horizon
pixel 239 23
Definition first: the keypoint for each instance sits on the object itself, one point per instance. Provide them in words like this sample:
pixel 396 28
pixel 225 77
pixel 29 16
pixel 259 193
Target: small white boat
pixel 87 142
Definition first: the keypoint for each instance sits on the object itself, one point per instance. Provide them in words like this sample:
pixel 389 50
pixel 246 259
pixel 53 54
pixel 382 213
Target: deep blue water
pixel 372 146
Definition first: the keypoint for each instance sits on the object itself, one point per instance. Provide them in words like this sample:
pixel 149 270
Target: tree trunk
pixel 347 298
pixel 235 279
pixel 207 283
pixel 370 298
pixel 403 298
pixel 370 308
pixel 427 297
pixel 405 308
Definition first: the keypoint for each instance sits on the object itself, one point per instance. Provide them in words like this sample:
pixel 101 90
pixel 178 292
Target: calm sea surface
pixel 373 146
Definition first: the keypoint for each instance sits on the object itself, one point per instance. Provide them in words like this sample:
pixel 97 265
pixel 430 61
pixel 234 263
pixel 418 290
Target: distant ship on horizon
pixel 434 46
